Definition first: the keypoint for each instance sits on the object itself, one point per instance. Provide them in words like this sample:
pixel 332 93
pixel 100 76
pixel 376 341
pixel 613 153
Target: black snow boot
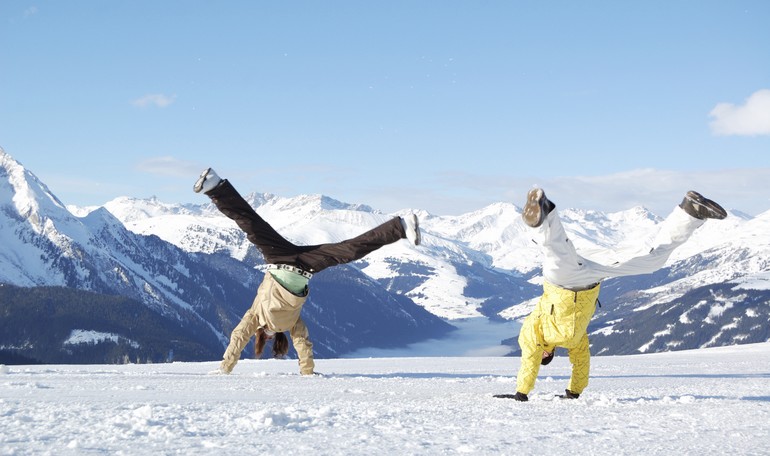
pixel 521 397
pixel 700 207
pixel 569 395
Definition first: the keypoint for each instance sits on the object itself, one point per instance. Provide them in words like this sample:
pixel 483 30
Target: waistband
pixel 586 288
pixel 290 268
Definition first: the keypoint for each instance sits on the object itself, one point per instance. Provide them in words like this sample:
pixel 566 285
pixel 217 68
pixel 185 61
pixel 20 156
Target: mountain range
pixel 141 298
pixel 195 270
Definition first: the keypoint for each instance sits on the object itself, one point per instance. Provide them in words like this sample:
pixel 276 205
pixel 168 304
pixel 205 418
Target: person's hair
pixel 259 345
pixel 280 344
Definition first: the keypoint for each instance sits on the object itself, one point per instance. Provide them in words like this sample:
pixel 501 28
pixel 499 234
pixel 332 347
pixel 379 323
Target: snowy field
pixel 713 401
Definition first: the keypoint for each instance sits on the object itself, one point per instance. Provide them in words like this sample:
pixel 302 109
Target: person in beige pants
pixel 284 290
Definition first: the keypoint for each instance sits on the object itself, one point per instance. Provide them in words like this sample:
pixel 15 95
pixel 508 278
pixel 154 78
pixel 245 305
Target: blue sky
pixel 439 105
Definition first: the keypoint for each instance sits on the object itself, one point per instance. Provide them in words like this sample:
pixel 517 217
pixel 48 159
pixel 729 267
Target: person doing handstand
pixel 571 285
pixel 284 289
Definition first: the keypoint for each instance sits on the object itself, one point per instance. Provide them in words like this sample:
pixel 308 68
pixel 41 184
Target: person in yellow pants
pixel 571 285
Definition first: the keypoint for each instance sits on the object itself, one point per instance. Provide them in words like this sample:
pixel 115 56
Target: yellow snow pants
pixel 560 319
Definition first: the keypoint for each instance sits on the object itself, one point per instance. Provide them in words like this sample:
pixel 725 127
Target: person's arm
pixel 300 339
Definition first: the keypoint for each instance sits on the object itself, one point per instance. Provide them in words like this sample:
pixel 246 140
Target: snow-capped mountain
pixel 201 294
pixel 450 278
pixel 713 291
pixel 484 263
pixel 713 297
pixel 43 244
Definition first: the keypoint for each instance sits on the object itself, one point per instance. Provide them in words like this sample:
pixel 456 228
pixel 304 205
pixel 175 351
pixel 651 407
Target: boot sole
pixel 418 235
pixel 199 183
pixel 533 209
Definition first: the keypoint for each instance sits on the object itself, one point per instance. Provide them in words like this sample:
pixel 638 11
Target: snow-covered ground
pixel 711 401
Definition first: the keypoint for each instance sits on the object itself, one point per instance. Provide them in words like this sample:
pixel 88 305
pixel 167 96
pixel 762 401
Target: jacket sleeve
pixel 300 339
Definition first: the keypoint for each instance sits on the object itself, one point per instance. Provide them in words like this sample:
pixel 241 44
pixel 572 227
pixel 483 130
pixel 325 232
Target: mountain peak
pixel 128 209
pixel 315 201
pixel 24 192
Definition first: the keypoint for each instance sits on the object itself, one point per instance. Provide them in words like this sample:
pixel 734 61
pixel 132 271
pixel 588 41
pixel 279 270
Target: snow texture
pixel 708 401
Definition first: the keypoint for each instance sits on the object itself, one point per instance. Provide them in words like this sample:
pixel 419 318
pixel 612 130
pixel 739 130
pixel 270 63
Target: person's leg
pixel 274 247
pixel 562 266
pixel 320 257
pixel 673 232
pixel 313 258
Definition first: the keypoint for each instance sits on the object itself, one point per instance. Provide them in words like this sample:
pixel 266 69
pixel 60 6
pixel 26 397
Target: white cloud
pixel 31 11
pixel 159 100
pixel 750 119
pixel 658 190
